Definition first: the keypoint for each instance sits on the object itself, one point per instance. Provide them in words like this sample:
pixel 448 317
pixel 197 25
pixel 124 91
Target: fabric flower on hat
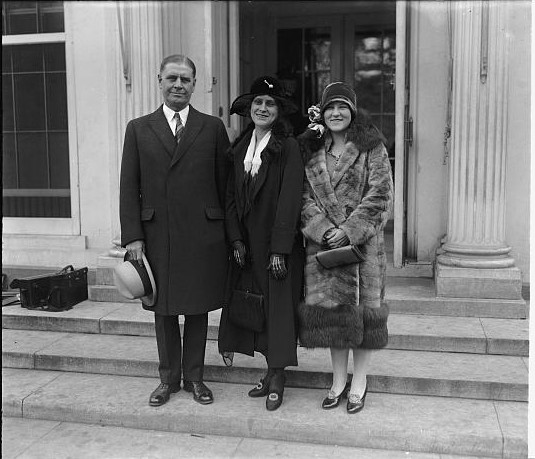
pixel 314 115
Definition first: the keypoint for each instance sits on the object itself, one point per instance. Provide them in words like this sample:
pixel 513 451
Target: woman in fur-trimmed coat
pixel 347 200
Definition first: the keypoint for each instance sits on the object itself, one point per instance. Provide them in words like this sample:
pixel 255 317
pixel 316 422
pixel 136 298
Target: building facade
pixel 447 82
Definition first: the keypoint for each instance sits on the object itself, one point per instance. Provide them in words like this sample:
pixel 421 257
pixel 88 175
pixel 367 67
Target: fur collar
pixel 362 133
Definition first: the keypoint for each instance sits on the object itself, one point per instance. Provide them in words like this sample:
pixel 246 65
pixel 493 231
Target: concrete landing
pixel 394 422
pixel 24 438
pixel 492 377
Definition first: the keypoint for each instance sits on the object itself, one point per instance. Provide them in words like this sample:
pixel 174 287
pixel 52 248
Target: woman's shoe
pixel 332 400
pixel 356 403
pixel 262 388
pixel 276 391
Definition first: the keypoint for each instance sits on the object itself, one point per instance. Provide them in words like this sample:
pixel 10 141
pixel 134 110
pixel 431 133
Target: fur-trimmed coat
pixel 343 306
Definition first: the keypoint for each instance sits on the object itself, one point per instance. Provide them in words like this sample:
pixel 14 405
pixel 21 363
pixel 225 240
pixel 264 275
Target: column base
pixel 454 282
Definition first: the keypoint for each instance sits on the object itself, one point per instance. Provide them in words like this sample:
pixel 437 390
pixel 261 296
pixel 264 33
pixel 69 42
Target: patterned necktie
pixel 179 129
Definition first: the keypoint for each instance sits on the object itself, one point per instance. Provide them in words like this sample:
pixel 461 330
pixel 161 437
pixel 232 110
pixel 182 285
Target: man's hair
pixel 178 59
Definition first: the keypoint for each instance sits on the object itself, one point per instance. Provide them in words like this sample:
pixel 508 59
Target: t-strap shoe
pixel 332 400
pixel 356 403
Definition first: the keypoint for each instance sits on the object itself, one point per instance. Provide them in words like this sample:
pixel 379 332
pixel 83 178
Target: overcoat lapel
pixel 191 131
pixel 262 172
pixel 349 156
pixel 158 123
pixel 241 151
pixel 318 177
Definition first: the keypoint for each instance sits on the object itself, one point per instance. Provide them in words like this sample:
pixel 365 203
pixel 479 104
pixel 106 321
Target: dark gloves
pixel 277 266
pixel 334 238
pixel 238 250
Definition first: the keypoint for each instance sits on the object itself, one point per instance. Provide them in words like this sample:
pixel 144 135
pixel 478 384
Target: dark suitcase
pixel 53 292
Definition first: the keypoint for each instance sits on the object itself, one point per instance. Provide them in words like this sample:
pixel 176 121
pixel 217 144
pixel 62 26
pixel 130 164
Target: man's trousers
pixel 177 357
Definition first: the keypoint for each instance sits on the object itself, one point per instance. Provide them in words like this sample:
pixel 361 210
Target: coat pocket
pixel 147 214
pixel 214 213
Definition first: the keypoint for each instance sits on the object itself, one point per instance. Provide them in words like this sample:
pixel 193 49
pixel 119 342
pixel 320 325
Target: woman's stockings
pixel 339 359
pixel 361 361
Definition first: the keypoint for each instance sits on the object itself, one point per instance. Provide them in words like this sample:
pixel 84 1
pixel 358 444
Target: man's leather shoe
pixel 332 400
pixel 201 393
pixel 162 393
pixel 356 403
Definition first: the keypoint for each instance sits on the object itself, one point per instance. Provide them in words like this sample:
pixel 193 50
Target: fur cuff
pixel 375 327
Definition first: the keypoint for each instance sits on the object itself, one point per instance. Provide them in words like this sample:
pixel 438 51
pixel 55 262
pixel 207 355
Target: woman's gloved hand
pixel 239 253
pixel 277 266
pixel 336 238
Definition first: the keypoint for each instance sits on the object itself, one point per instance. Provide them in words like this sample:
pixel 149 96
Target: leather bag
pixel 53 292
pixel 339 257
pixel 246 308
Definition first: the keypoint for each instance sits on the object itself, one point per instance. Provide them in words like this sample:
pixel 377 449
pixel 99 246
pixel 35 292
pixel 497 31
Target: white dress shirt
pixel 170 116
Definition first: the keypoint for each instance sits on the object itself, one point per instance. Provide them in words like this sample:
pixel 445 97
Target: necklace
pixel 336 151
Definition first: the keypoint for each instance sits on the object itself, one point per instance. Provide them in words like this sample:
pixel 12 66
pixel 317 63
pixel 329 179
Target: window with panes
pixel 35 146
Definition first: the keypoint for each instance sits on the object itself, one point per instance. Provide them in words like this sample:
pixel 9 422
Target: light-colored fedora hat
pixel 134 281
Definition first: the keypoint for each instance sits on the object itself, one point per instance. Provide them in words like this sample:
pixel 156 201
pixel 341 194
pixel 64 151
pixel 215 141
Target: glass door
pixel 308 59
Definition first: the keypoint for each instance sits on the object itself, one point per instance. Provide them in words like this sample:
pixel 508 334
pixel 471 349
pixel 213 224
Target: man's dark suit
pixel 172 198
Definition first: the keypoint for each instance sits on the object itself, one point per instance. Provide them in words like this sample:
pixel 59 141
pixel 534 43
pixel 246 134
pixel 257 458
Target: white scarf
pixel 253 160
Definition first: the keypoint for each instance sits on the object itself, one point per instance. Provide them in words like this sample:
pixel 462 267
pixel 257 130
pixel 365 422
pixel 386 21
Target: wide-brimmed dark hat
pixel 134 281
pixel 263 86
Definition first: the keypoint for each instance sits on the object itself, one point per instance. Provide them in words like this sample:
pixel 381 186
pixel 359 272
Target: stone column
pixel 475 260
pixel 139 54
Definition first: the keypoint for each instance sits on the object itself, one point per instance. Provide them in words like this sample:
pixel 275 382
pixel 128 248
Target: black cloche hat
pixel 263 86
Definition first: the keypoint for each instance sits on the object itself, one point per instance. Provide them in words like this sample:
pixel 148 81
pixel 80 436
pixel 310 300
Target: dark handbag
pixel 53 292
pixel 339 257
pixel 245 308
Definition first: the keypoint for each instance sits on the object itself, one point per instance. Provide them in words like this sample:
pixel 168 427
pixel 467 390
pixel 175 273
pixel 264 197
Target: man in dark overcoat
pixel 173 178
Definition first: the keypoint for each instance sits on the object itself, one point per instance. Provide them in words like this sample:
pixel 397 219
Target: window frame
pixel 48 225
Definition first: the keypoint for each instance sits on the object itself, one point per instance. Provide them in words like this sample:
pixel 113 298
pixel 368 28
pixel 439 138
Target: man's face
pixel 177 84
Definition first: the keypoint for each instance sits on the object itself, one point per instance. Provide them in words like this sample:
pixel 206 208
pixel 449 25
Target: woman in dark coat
pixel 263 206
pixel 347 200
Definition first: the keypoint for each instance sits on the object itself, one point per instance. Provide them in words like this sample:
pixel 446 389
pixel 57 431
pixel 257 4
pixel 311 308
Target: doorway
pixel 308 45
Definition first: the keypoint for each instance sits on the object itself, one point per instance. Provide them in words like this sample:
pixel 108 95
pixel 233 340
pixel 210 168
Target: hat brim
pixel 129 284
pixel 343 99
pixel 149 300
pixel 242 105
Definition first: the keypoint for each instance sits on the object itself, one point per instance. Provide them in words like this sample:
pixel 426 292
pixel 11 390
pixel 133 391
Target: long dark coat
pixel 270 226
pixel 343 306
pixel 172 197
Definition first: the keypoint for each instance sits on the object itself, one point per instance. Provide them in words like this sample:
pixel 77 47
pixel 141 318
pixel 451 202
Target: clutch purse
pixel 246 310
pixel 53 292
pixel 339 257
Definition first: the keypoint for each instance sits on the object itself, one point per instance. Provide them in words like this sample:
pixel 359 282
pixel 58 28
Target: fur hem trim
pixel 340 327
pixel 375 327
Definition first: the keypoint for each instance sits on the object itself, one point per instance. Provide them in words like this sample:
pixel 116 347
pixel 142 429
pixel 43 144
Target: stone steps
pixel 444 374
pixel 433 425
pixel 404 296
pixel 409 332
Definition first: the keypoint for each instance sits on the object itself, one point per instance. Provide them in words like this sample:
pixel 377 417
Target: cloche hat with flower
pixel 263 86
pixel 334 92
